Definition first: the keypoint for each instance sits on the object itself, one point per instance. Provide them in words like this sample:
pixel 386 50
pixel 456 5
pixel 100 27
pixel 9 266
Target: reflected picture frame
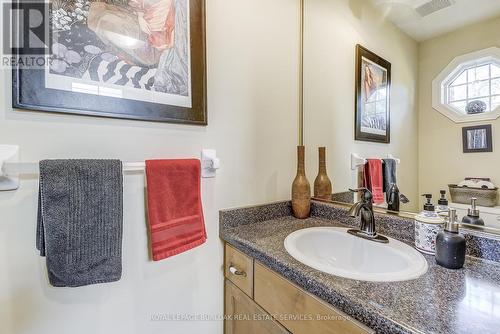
pixel 477 139
pixel 372 98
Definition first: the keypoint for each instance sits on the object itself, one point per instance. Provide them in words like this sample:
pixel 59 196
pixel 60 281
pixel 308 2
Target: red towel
pixel 373 179
pixel 175 212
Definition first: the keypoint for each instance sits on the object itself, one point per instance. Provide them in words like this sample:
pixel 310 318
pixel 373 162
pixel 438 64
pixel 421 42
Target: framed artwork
pixel 477 139
pixel 132 59
pixel 373 90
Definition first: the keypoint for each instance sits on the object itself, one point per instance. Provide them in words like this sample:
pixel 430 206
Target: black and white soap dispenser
pixel 473 215
pixel 442 208
pixel 450 245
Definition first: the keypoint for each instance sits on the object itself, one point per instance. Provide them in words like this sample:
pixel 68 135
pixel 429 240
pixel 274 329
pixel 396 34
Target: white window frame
pixel 450 72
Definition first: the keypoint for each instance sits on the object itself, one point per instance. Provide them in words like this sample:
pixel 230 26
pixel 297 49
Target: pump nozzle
pixel 428 206
pixel 451 223
pixel 473 211
pixel 443 201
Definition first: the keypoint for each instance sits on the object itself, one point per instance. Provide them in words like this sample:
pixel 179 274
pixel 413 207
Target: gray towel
pixel 389 174
pixel 79 228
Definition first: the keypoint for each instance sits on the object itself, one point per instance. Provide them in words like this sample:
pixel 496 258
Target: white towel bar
pixel 13 168
pixel 10 168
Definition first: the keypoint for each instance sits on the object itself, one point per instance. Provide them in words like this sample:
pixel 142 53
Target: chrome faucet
pixel 364 209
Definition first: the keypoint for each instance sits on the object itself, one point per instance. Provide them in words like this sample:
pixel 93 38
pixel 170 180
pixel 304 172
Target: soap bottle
pixel 427 225
pixel 450 245
pixel 473 215
pixel 442 208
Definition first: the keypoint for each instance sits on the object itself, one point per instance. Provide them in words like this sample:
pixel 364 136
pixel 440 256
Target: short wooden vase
pixel 322 184
pixel 301 189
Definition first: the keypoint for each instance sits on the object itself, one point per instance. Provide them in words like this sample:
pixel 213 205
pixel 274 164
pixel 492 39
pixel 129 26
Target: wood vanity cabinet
pixel 244 316
pixel 236 260
pixel 258 300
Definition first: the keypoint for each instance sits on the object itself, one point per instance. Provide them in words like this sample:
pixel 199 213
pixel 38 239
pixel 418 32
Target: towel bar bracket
pixel 8 153
pixel 209 163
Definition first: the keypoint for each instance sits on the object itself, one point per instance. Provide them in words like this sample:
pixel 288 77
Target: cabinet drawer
pixel 244 316
pixel 297 310
pixel 238 268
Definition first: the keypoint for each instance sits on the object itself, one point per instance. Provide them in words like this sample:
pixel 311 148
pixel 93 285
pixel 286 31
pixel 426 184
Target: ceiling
pixel 403 14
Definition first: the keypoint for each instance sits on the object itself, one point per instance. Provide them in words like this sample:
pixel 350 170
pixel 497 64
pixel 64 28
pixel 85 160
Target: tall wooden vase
pixel 322 184
pixel 301 189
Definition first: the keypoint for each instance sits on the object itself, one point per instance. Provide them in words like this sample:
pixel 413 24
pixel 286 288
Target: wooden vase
pixel 322 184
pixel 301 189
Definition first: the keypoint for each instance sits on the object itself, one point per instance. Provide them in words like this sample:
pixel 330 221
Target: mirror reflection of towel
pixel 373 179
pixel 389 174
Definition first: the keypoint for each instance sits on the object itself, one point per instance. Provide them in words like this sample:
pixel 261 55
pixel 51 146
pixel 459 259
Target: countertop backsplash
pixel 478 244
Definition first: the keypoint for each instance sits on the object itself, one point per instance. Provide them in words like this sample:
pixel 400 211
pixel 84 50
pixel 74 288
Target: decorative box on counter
pixel 481 188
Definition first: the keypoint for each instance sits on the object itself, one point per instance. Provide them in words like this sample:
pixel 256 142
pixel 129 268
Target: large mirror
pixel 406 102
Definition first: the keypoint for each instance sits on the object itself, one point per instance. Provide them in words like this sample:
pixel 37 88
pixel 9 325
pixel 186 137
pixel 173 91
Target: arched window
pixel 468 89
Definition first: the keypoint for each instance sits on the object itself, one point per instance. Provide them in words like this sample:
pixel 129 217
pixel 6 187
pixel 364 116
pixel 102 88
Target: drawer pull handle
pixel 236 272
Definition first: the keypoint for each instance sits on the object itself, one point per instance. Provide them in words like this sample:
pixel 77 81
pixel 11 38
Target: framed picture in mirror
pixel 136 59
pixel 477 139
pixel 373 88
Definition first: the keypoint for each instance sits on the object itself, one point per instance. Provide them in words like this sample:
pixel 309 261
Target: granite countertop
pixel 440 301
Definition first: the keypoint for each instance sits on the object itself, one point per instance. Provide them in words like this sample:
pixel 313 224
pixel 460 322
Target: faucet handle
pixel 404 199
pixel 358 189
pixel 366 194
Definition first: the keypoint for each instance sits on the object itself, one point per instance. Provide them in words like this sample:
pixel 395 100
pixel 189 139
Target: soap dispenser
pixel 427 225
pixel 473 215
pixel 450 245
pixel 442 208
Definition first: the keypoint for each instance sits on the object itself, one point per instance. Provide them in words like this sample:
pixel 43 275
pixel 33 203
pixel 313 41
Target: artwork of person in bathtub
pixel 134 49
pixel 374 98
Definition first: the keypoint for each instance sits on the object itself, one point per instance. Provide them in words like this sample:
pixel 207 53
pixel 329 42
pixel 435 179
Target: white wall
pixel 252 94
pixel 442 160
pixel 333 28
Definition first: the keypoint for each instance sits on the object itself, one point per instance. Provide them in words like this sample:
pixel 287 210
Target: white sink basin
pixel 334 251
